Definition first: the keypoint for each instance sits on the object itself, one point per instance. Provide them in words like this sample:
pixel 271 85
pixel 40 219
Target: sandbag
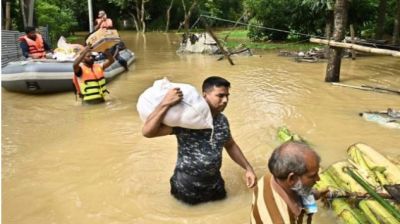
pixel 192 112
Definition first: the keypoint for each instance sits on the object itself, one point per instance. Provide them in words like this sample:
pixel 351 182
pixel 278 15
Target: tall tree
pixel 335 53
pixel 380 23
pixel 188 14
pixel 7 24
pixel 27 9
pixel 136 9
pixel 142 15
pixel 396 27
pixel 168 14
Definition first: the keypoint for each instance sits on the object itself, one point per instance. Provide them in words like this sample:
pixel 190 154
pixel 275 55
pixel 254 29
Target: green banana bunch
pixel 285 135
pixel 384 170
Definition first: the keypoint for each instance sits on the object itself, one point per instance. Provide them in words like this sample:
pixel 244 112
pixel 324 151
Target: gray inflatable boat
pixel 50 76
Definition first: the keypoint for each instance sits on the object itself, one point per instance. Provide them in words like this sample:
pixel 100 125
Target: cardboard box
pixel 103 39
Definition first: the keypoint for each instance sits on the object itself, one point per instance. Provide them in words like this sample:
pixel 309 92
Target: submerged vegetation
pixel 240 37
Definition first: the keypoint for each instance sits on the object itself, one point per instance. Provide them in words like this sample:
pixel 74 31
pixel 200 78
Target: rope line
pixel 285 31
pixel 263 27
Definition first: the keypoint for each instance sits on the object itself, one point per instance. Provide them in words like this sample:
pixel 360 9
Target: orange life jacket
pixel 92 84
pixel 36 47
pixel 107 24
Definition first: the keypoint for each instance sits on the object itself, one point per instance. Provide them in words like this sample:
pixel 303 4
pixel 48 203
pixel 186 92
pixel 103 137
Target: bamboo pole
pixel 368 88
pixel 356 47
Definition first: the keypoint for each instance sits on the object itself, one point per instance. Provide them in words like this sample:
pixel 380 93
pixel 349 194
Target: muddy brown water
pixel 67 163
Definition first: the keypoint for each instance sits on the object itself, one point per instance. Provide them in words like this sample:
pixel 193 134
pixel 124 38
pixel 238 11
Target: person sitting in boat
pixel 287 195
pixel 102 21
pixel 33 45
pixel 89 79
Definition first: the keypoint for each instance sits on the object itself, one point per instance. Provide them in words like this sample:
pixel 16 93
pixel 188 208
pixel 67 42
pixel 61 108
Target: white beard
pixel 300 189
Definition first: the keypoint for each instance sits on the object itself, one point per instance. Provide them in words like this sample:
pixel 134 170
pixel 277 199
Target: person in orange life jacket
pixel 285 195
pixel 89 77
pixel 33 45
pixel 102 21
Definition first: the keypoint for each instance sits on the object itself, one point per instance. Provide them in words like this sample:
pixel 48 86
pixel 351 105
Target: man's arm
pixel 236 154
pixel 110 59
pixel 79 59
pixel 98 24
pixel 153 126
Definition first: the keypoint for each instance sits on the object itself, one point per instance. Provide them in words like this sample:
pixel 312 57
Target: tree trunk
pixel 27 8
pixel 31 9
pixel 135 21
pixel 24 20
pixel 188 13
pixel 352 34
pixel 168 15
pixel 396 27
pixel 335 54
pixel 328 30
pixel 142 16
pixel 380 24
pixel 8 15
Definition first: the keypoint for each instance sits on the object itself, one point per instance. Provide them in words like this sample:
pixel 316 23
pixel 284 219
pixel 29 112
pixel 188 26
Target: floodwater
pixel 67 163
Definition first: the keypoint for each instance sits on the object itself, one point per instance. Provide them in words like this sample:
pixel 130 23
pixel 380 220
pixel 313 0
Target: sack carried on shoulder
pixel 192 112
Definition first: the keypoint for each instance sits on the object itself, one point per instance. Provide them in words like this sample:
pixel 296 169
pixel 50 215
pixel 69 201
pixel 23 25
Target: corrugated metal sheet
pixel 10 50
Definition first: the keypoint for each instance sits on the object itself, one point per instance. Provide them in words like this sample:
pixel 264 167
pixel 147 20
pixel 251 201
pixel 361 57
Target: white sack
pixel 192 112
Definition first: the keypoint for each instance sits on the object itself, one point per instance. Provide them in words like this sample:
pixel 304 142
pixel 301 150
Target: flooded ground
pixel 67 163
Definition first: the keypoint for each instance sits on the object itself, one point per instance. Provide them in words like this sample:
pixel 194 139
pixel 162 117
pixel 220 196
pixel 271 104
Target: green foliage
pixel 60 21
pixel 256 33
pixel 275 14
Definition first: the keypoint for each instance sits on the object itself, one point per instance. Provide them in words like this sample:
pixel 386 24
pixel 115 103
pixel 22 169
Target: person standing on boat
pixel 102 21
pixel 89 78
pixel 197 177
pixel 285 195
pixel 33 45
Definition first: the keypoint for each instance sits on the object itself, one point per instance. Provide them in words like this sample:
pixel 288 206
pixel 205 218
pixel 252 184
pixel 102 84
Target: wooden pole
pixel 221 48
pixel 356 47
pixel 335 53
pixel 353 52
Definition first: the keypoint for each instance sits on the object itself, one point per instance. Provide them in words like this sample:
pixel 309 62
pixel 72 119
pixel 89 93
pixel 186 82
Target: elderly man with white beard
pixel 287 196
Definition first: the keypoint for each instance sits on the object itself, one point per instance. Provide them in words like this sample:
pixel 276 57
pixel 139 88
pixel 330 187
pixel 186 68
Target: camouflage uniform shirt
pixel 197 176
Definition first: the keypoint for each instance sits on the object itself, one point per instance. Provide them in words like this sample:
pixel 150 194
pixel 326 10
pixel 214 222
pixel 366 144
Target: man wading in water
pixel 197 176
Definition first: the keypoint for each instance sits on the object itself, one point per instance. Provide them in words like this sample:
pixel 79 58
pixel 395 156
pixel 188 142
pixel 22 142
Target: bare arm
pixel 236 154
pixel 153 126
pixel 98 24
pixel 110 59
pixel 79 59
